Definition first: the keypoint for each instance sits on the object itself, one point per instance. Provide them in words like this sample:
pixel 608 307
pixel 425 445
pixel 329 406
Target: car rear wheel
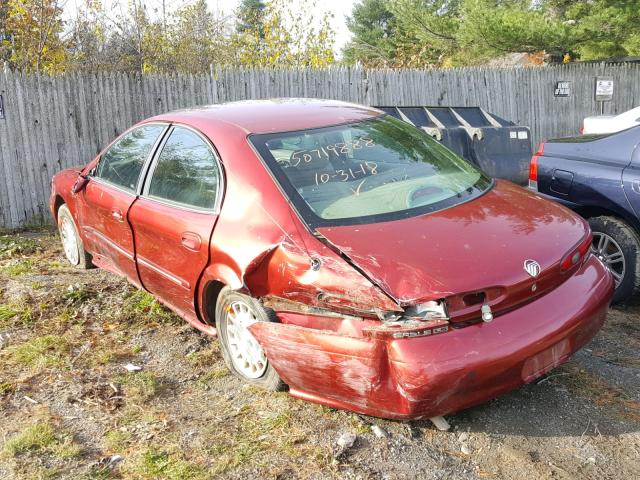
pixel 241 351
pixel 617 245
pixel 71 241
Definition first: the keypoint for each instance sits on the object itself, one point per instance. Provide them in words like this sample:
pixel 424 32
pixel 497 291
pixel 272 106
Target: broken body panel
pixel 340 293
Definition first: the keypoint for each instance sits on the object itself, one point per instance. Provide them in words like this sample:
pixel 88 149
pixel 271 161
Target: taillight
pixel 578 253
pixel 533 168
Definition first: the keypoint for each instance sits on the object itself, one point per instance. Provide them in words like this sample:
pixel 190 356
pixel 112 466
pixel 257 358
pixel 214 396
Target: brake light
pixel 533 168
pixel 578 253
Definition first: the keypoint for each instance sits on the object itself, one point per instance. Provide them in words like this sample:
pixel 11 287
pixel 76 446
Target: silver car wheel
pixel 246 353
pixel 610 253
pixel 69 240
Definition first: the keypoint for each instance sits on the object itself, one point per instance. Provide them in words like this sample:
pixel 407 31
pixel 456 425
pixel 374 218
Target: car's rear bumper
pixel 427 376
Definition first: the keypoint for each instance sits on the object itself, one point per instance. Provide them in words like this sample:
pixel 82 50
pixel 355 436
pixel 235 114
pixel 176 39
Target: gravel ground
pixel 69 408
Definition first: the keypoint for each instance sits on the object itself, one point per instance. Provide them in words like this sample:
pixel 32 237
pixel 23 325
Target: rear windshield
pixel 376 170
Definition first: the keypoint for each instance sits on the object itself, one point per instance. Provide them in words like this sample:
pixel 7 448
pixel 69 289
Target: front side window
pixel 375 170
pixel 122 163
pixel 186 171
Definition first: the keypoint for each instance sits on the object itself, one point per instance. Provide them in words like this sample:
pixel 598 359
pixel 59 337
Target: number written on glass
pixel 346 175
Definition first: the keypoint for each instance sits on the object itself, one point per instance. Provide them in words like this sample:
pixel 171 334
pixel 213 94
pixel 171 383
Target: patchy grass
pixel 259 437
pixel 76 294
pixel 140 386
pixel 7 313
pixel 7 388
pixel 206 357
pixel 160 463
pixel 142 307
pixel 42 437
pixel 117 441
pixel 13 315
pixel 39 352
pixel 17 268
pixel 17 245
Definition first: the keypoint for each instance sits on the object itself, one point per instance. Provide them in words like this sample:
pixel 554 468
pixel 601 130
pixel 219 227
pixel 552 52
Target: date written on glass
pixel 348 174
pixel 335 149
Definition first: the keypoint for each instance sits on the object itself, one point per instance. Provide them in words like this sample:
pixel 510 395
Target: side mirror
pixel 81 182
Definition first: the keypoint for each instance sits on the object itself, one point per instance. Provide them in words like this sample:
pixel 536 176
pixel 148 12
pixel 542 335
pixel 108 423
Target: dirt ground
pixel 70 409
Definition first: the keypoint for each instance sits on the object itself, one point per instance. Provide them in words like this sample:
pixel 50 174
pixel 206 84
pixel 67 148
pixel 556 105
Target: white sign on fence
pixel 604 89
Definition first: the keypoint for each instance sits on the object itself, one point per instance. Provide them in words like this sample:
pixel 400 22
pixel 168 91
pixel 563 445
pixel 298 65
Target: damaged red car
pixel 338 252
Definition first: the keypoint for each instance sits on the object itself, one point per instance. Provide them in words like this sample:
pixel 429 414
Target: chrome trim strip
pixel 163 272
pixel 108 241
pixel 181 206
pixel 106 183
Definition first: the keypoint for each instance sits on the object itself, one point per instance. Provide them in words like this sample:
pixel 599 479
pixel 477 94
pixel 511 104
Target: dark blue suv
pixel 598 176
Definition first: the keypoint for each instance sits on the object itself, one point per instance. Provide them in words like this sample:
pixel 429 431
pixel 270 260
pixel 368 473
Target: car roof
pixel 273 115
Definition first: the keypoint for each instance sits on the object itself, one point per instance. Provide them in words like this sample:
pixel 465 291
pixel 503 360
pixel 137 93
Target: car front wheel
pixel 242 353
pixel 617 245
pixel 71 241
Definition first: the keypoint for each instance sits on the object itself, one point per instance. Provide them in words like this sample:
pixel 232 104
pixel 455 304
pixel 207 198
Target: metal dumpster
pixel 499 147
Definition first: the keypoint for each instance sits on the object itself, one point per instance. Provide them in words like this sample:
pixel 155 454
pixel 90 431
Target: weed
pixel 141 306
pixel 213 375
pixel 255 437
pixel 77 294
pixel 99 472
pixel 42 437
pixel 15 315
pixel 56 265
pixel 7 313
pixel 40 352
pixel 117 441
pixel 14 245
pixel 17 268
pixel 7 388
pixel 205 357
pixel 141 386
pixel 39 436
pixel 157 463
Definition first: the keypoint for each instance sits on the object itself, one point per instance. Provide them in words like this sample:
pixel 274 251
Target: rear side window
pixel 186 171
pixel 122 163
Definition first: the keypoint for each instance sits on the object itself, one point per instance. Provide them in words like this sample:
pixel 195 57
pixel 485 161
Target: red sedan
pixel 338 252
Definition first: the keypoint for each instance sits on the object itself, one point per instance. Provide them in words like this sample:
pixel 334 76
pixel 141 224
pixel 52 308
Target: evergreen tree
pixel 250 16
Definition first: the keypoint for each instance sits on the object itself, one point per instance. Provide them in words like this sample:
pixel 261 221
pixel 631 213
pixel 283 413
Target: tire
pixel 236 346
pixel 623 238
pixel 74 250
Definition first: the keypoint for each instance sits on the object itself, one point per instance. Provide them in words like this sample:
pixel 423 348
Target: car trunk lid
pixel 471 254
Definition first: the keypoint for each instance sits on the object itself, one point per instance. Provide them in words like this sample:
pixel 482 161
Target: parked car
pixel 340 252
pixel 611 123
pixel 598 176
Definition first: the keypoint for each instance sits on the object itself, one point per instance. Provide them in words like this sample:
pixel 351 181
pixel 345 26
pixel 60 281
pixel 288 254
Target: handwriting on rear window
pixel 347 174
pixel 337 150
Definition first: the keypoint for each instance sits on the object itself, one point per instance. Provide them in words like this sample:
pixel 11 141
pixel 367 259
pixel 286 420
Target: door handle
pixel 635 186
pixel 191 241
pixel 116 214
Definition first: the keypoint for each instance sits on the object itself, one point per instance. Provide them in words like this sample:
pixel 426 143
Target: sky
pixel 339 8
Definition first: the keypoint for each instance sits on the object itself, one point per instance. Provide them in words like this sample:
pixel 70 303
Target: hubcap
pixel 69 240
pixel 246 353
pixel 610 253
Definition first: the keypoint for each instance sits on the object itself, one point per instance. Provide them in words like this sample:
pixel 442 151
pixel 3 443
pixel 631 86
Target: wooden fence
pixel 53 122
